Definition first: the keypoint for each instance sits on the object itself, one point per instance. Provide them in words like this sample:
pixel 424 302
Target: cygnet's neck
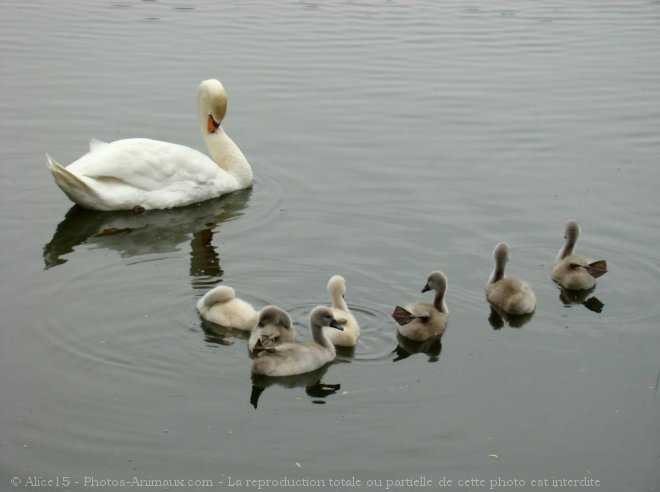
pixel 439 301
pixel 567 248
pixel 320 337
pixel 337 298
pixel 498 270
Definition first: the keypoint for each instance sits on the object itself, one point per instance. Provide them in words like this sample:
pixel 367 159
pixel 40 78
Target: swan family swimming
pixel 140 174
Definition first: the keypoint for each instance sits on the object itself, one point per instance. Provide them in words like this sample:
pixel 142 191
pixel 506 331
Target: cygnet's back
pixel 510 294
pixel 348 337
pixel 420 321
pixel 293 358
pixel 274 327
pixel 221 306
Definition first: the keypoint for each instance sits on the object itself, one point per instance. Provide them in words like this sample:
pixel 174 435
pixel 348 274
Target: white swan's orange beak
pixel 212 125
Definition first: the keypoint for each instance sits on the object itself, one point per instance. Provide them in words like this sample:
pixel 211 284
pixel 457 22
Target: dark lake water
pixel 388 139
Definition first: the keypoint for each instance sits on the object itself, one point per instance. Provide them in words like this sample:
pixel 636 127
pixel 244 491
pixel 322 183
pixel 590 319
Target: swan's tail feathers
pixel 75 188
pixel 403 316
pixel 219 294
pixel 597 268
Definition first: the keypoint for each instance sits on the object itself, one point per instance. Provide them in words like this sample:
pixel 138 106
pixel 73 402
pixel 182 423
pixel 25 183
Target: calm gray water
pixel 388 139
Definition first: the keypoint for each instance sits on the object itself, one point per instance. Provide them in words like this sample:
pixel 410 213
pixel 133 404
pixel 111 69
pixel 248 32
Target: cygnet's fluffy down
pixel 421 321
pixel 221 306
pixel 510 294
pixel 351 330
pixel 293 358
pixel 274 327
pixel 574 272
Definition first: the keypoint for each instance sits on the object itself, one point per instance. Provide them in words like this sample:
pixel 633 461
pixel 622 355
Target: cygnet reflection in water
pixel 311 381
pixel 592 303
pixel 406 347
pixel 499 318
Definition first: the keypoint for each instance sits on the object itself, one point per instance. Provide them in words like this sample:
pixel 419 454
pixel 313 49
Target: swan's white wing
pixel 146 164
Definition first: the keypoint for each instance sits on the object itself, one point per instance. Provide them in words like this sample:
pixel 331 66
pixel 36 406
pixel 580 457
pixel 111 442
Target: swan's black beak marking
pixel 335 324
pixel 426 288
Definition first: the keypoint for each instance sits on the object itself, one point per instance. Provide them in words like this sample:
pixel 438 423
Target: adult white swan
pixel 140 174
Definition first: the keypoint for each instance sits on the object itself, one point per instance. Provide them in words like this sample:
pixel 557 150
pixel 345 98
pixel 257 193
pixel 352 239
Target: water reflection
pixel 151 232
pixel 221 335
pixel 499 318
pixel 592 303
pixel 345 353
pixel 431 347
pixel 311 381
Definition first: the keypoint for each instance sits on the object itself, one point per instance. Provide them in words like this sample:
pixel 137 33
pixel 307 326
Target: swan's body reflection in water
pixel 311 381
pixel 151 232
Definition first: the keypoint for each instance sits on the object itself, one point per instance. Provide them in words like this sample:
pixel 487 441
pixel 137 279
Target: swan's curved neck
pixel 227 155
pixel 222 149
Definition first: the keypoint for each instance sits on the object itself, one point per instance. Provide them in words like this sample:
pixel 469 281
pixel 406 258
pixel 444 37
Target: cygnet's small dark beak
pixel 335 324
pixel 426 288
